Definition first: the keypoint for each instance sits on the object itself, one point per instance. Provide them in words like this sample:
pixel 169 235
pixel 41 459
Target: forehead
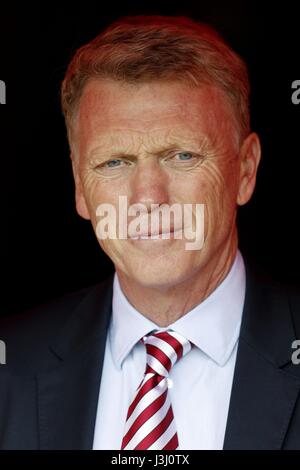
pixel 114 111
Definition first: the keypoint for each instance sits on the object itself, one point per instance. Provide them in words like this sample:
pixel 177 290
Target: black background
pixel 46 249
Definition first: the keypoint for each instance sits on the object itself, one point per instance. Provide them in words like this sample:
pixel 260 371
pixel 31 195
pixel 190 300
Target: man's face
pixel 158 143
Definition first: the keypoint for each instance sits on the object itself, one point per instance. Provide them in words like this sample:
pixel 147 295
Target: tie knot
pixel 163 350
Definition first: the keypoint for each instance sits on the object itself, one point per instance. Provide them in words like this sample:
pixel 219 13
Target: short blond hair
pixel 140 49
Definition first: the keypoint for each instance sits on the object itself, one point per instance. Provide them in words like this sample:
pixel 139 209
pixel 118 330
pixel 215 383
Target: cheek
pixel 96 191
pixel 221 199
pixel 93 196
pixel 203 186
pixel 216 188
pixel 102 191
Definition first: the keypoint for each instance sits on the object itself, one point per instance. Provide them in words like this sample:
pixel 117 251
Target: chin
pixel 157 276
pixel 159 268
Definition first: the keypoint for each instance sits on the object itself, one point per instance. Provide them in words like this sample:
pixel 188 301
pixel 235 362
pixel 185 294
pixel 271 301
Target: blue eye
pixel 185 155
pixel 183 160
pixel 113 163
pixel 115 166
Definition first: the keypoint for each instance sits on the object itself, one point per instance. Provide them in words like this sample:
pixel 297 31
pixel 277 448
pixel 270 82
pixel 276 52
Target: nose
pixel 149 184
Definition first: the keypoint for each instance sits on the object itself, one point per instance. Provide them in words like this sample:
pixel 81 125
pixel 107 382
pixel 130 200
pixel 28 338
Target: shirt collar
pixel 213 325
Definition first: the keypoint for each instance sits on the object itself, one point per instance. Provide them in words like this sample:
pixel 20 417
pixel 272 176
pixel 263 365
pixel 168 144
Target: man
pixel 182 348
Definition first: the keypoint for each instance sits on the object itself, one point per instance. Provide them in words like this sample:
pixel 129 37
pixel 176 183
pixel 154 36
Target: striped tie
pixel 150 422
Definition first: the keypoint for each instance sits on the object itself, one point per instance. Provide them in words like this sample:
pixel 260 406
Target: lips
pixel 158 235
pixel 160 230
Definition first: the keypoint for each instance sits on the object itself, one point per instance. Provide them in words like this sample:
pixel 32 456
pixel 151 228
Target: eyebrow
pixel 192 145
pixel 125 153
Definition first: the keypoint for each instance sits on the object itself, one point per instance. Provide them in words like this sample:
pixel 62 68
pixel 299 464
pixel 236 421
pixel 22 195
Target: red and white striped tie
pixel 150 422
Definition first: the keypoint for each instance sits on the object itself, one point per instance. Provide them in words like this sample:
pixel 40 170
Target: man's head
pixel 157 110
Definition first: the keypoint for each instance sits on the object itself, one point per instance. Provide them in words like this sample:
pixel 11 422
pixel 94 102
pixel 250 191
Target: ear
pixel 249 155
pixel 81 206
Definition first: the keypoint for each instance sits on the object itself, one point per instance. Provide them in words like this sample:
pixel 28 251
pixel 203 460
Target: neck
pixel 165 306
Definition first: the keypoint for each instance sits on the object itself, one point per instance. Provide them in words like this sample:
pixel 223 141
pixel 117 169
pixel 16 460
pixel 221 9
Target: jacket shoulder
pixel 28 335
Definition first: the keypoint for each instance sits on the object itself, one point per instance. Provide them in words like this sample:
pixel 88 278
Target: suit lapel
pixel 68 393
pixel 263 392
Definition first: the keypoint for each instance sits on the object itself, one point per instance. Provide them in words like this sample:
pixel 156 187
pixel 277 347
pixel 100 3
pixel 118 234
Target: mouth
pixel 169 235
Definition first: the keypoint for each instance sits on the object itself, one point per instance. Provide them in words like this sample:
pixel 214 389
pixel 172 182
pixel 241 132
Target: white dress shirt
pixel 201 382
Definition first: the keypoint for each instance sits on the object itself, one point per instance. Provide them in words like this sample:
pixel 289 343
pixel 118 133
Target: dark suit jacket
pixel 50 384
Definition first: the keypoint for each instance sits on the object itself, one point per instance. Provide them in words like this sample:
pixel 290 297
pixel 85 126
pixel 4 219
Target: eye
pixel 184 156
pixel 113 163
pixel 183 159
pixel 113 166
